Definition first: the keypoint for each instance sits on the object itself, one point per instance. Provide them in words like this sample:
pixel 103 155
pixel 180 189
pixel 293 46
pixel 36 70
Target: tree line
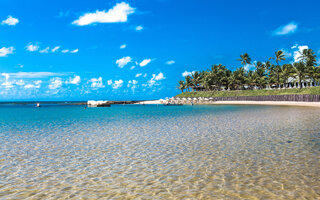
pixel 270 74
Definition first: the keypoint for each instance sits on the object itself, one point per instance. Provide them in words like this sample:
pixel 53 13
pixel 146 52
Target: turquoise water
pixel 159 152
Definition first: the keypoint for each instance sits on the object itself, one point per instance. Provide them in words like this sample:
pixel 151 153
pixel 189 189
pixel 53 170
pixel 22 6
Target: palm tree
pixel 265 73
pixel 188 82
pixel 314 74
pixel 202 77
pixel 279 56
pixel 277 69
pixel 219 75
pixel 261 75
pixel 286 72
pixel 228 79
pixel 268 67
pixel 301 71
pixel 232 81
pixel 240 77
pixel 308 57
pixel 207 81
pixel 252 79
pixel 182 85
pixel 245 59
pixel 196 78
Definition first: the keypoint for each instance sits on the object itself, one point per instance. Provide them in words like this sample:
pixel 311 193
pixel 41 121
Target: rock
pixel 98 104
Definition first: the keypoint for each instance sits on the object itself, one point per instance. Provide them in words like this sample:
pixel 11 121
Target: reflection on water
pixel 150 152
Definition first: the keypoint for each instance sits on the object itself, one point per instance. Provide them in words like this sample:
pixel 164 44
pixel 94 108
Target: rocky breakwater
pixel 98 104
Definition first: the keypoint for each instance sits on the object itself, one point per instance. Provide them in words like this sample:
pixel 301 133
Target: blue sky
pixel 139 49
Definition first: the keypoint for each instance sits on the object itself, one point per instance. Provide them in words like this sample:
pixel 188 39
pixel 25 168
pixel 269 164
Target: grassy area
pixel 311 90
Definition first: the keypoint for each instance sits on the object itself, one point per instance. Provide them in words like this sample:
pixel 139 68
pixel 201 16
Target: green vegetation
pixel 266 75
pixel 264 92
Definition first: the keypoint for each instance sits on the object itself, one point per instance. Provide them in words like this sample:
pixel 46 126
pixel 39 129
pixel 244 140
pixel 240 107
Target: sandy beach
pixel 268 103
pixel 271 103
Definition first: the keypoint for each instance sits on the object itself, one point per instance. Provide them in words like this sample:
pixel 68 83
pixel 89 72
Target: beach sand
pixel 271 103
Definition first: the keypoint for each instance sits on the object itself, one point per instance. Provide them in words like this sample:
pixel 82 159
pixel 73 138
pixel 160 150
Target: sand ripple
pixel 150 152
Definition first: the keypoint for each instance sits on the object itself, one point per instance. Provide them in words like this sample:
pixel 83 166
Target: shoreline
pixel 161 102
pixel 269 103
pixel 266 103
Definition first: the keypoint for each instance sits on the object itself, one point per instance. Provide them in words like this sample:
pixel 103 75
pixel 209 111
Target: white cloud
pixel 247 67
pixel 96 83
pixel 286 29
pixel 35 74
pixel 46 50
pixel 186 73
pixel 32 47
pixel 109 82
pixel 138 75
pixel 29 86
pixel 286 53
pixel 154 79
pixel 145 62
pixel 20 82
pixel 75 80
pixel 11 21
pixel 151 82
pixel 38 82
pixel 123 61
pixel 35 85
pixel 170 62
pixel 123 46
pixel 294 46
pixel 74 51
pixel 139 28
pixel 5 51
pixel 159 77
pixel 117 84
pixel 6 83
pixel 298 52
pixel 55 49
pixel 55 83
pixel 6 75
pixel 132 67
pixel 145 75
pixel 132 84
pixel 119 13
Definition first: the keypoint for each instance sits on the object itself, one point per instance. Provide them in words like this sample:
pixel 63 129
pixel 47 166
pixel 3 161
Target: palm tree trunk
pixel 300 83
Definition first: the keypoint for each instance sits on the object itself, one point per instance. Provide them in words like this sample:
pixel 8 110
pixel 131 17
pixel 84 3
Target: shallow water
pixel 159 152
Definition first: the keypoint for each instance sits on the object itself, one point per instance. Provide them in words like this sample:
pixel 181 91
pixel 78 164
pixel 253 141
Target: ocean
pixel 159 152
